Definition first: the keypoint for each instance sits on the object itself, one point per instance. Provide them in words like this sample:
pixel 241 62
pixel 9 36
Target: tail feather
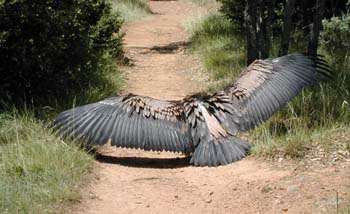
pixel 220 151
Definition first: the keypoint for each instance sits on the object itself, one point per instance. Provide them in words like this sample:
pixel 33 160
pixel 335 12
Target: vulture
pixel 202 125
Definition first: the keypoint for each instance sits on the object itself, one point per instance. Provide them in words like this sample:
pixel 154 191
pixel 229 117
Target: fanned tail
pixel 220 151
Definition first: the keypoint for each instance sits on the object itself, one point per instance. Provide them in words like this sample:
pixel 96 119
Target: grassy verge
pixel 38 172
pixel 299 143
pixel 131 10
pixel 316 117
pixel 222 54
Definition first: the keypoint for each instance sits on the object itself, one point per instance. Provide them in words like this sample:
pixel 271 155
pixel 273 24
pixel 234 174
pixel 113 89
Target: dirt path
pixel 133 181
pixel 161 69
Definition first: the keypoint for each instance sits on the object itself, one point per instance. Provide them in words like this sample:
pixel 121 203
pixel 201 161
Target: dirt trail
pixel 134 181
pixel 161 69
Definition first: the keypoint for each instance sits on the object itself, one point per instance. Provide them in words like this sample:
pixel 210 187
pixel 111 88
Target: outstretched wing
pixel 129 121
pixel 263 88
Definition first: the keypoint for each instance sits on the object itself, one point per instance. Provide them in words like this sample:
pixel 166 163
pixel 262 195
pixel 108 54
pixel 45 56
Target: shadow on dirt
pixel 142 162
pixel 170 48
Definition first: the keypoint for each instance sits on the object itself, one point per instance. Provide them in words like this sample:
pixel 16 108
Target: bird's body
pixel 201 125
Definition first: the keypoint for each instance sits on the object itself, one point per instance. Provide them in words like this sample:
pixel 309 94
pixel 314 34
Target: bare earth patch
pixel 134 181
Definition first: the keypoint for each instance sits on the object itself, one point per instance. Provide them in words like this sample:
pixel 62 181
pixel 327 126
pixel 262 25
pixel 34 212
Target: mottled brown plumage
pixel 202 125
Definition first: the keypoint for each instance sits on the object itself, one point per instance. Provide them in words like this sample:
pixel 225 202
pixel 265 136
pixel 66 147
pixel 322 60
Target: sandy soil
pixel 134 181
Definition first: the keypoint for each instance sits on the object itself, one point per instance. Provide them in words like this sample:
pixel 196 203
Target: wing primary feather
pixel 139 129
pixel 71 123
pixel 147 133
pixel 85 127
pixel 111 124
pixel 129 131
pixel 97 130
pixel 159 130
pixel 153 137
pixel 116 135
pixel 123 120
pixel 175 146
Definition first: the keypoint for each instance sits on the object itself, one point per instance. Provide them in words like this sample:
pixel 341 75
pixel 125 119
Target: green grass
pixel 206 5
pixel 297 142
pixel 131 10
pixel 321 109
pixel 221 53
pixel 202 2
pixel 39 173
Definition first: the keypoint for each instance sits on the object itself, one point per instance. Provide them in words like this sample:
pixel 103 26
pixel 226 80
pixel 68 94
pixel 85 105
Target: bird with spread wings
pixel 202 125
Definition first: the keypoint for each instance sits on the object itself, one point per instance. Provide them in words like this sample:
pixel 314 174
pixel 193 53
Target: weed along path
pixel 134 181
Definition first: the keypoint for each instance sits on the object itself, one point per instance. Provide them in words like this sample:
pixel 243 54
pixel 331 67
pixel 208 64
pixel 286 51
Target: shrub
pixel 55 48
pixel 234 10
pixel 336 39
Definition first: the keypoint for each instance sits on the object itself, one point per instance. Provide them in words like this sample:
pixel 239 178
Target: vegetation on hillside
pixel 54 54
pixel 319 116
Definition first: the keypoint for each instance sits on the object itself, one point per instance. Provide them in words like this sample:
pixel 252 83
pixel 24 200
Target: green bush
pixel 55 48
pixel 336 39
pixel 234 10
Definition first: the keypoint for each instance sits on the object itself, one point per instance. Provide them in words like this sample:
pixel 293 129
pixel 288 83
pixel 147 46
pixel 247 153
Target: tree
pixel 268 34
pixel 258 18
pixel 250 20
pixel 264 28
pixel 264 19
pixel 316 27
pixel 287 24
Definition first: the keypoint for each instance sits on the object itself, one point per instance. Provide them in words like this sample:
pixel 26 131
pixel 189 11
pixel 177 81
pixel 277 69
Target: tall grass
pixel 38 172
pixel 221 53
pixel 131 10
pixel 302 122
